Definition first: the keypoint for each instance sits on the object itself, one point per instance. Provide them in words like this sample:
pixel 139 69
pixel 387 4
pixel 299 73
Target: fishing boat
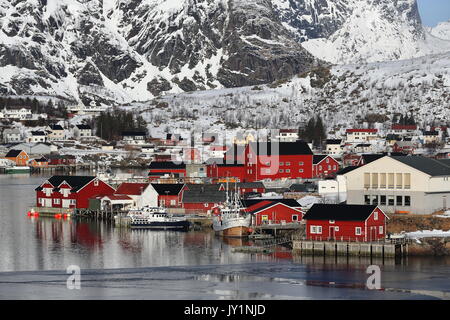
pixel 17 169
pixel 230 219
pixel 156 218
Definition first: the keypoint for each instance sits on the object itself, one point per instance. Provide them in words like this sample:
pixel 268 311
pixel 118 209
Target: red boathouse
pixel 70 191
pixel 344 222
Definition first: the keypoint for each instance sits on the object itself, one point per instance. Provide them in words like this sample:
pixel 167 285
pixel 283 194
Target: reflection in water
pixel 29 243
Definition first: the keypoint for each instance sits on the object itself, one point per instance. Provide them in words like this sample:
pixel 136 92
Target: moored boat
pixel 231 220
pixel 17 169
pixel 156 218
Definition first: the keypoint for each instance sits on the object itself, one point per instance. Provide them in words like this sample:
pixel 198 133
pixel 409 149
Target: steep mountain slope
pixel 124 50
pixel 354 31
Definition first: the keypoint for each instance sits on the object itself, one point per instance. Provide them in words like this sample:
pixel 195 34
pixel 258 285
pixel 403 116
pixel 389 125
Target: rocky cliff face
pixel 117 50
pixel 125 50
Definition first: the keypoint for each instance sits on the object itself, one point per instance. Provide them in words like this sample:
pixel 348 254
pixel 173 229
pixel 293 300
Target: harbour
pixel 101 249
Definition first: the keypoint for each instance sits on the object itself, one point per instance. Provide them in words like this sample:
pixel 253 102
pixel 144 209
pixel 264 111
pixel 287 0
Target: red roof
pixel 404 127
pixel 258 205
pixel 119 197
pixel 362 130
pixel 131 188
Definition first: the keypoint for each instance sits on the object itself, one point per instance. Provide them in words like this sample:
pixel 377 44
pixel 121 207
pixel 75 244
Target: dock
pixel 384 249
pixel 51 212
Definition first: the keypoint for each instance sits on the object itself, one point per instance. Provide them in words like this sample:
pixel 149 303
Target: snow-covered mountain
pixel 352 31
pixel 124 50
pixel 135 49
pixel 441 31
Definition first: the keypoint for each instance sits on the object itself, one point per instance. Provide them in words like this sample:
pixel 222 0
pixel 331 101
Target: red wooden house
pixel 57 159
pixel 224 171
pixel 202 198
pixel 405 147
pixel 169 195
pixel 278 160
pixel 41 162
pixel 273 212
pixel 250 187
pixel 350 159
pixel 345 222
pixel 324 166
pixel 70 191
pixel 171 169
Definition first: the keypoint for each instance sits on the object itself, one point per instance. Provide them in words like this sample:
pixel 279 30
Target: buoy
pixel 58 216
pixel 29 213
pixel 65 215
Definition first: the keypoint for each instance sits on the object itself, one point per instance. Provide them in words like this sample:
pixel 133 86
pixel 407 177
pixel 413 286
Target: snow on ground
pixel 445 215
pixel 428 234
pixel 308 201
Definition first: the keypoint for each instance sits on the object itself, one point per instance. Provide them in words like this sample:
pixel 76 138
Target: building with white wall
pixel 401 184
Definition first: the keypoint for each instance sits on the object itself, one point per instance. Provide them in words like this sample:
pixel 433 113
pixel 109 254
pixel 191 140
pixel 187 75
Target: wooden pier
pixel 51 212
pixel 358 249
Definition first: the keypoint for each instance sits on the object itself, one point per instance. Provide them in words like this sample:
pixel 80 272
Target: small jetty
pixel 385 249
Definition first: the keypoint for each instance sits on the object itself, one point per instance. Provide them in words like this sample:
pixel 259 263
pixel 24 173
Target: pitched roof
pixel 170 189
pixel 445 162
pixel 339 212
pixel 368 158
pixel 334 141
pixel 250 185
pixel 13 153
pixel 83 127
pixel 200 193
pixel 397 126
pixel 38 133
pixel 131 188
pixel 318 158
pixel 303 187
pixel 281 148
pixel 55 127
pixel 257 207
pixel 289 202
pixel 166 165
pixel 346 170
pixel 117 197
pixel 362 130
pixel 76 182
pixel 429 166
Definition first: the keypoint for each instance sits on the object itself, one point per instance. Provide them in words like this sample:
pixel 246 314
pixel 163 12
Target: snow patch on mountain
pixel 441 31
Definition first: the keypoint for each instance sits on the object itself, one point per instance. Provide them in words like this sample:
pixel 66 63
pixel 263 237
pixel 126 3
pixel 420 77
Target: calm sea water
pixel 42 248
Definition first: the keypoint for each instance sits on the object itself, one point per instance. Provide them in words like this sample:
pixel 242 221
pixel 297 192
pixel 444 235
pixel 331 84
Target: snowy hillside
pixel 347 94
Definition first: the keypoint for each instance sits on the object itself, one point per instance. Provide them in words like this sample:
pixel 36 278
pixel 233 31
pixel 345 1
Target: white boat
pixel 17 169
pixel 156 218
pixel 231 220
